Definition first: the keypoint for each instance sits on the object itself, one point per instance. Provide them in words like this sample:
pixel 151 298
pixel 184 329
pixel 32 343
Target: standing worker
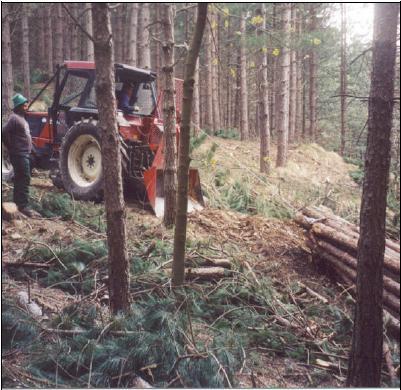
pixel 17 138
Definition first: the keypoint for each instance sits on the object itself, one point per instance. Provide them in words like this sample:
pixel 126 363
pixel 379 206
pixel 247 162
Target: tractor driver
pixel 124 99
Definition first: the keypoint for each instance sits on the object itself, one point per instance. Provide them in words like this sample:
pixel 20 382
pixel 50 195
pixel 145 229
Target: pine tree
pixel 111 164
pixel 365 361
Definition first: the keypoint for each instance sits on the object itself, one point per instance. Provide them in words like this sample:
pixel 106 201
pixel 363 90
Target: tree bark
pixel 196 102
pixel 244 129
pixel 299 83
pixel 283 96
pixel 367 342
pixel 343 78
pixel 209 77
pixel 7 83
pixel 264 131
pixel 143 38
pixel 49 39
pixel 133 29
pixel 293 78
pixel 58 35
pixel 90 55
pixel 169 116
pixel 25 51
pixel 312 77
pixel 111 163
pixel 215 65
pixel 183 167
pixel 74 34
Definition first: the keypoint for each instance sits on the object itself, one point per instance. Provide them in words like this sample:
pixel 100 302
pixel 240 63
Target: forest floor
pixel 273 320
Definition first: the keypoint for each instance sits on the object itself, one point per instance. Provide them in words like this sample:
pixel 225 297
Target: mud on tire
pixel 81 162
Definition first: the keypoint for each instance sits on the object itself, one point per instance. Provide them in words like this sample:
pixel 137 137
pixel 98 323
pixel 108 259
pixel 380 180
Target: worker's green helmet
pixel 18 100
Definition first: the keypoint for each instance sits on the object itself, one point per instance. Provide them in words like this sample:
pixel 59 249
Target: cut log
pixel 204 273
pixel 390 301
pixel 25 264
pixel 389 284
pixel 335 221
pixel 350 244
pixel 9 211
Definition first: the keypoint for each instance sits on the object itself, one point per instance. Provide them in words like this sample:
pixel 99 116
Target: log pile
pixel 334 242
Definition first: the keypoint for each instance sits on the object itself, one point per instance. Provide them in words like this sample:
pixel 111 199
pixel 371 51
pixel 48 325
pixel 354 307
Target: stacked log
pixel 334 244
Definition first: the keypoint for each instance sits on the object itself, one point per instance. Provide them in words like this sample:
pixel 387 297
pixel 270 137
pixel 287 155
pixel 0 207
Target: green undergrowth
pixel 54 204
pixel 197 336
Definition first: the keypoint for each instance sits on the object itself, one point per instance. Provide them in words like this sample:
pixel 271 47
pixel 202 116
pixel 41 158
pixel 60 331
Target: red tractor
pixel 67 139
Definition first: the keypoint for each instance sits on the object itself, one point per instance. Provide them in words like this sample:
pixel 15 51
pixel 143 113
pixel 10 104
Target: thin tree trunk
pixel 143 40
pixel 263 106
pixel 312 78
pixel 49 39
pixel 196 102
pixel 293 79
pixel 209 78
pixel 299 83
pixel 40 63
pixel 365 361
pixel 183 167
pixel 58 35
pixel 133 29
pixel 111 164
pixel 118 34
pixel 244 130
pixel 25 51
pixel 74 34
pixel 169 116
pixel 7 83
pixel 343 78
pixel 90 54
pixel 215 80
pixel 283 96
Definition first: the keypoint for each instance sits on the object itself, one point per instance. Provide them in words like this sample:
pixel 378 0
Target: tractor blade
pixel 154 184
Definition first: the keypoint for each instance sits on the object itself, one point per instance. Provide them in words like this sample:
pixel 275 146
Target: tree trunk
pixel 367 342
pixel 183 165
pixel 299 83
pixel 49 40
pixel 74 34
pixel 244 130
pixel 111 163
pixel 343 77
pixel 209 78
pixel 293 78
pixel 283 96
pixel 25 51
pixel 215 80
pixel 263 106
pixel 143 38
pixel 312 78
pixel 7 83
pixel 169 116
pixel 58 35
pixel 133 29
pixel 90 55
pixel 196 102
pixel 118 34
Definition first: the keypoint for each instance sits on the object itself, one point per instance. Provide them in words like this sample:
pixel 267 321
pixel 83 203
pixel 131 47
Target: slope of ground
pixel 273 320
pixel 312 176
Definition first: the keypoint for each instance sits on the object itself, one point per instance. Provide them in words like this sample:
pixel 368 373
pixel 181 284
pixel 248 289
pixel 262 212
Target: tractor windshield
pixel 73 94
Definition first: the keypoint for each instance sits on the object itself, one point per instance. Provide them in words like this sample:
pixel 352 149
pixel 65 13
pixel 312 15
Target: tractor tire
pixel 81 162
pixel 7 170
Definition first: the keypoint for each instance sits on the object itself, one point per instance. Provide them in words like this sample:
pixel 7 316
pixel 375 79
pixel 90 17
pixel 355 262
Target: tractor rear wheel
pixel 81 162
pixel 7 170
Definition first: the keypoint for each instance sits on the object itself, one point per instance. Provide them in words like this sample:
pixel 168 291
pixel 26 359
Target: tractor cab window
pixel 74 90
pixel 135 97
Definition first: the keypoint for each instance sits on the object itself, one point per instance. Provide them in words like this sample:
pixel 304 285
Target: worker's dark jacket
pixel 16 136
